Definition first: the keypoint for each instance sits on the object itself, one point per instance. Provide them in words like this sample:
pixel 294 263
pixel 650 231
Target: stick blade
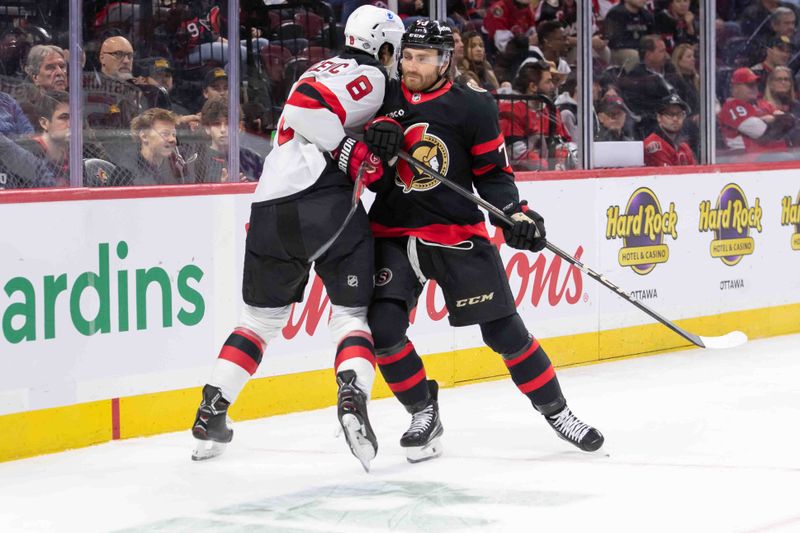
pixel 729 340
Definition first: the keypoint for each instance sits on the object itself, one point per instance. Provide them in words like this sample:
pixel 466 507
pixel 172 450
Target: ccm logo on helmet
pixel 474 300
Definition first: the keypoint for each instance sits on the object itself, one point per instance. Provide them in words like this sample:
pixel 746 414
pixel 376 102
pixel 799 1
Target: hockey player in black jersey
pixel 302 198
pixel 424 230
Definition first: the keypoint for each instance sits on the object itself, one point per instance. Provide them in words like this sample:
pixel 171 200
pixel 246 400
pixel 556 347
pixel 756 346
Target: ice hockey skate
pixel 352 411
pixel 421 440
pixel 212 428
pixel 572 430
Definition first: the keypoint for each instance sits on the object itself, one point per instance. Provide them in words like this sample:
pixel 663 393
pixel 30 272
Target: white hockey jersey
pixel 333 98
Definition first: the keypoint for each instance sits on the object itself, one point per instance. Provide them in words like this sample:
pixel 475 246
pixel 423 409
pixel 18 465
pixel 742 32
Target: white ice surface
pixel 696 441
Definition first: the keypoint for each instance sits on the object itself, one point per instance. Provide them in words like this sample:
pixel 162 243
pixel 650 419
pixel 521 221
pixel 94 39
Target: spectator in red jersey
pixel 751 124
pixel 665 147
pixel 531 127
pixel 506 19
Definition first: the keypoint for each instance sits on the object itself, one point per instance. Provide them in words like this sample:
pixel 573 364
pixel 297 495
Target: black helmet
pixel 424 33
pixel 672 99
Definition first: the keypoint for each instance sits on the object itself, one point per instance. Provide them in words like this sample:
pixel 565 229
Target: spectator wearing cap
pixel 612 113
pixel 778 52
pixel 646 84
pixel 506 19
pixel 665 147
pixel 677 24
pixel 553 47
pixel 215 84
pixel 159 72
pixel 624 26
pixel 475 61
pixel 749 123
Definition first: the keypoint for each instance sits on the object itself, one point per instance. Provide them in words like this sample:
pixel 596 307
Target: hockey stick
pixel 358 188
pixel 729 340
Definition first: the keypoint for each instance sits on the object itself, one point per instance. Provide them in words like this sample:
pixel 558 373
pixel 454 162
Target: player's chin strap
pixel 734 338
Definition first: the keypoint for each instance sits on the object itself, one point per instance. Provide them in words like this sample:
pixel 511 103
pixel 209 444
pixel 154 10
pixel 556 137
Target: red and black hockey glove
pixel 349 156
pixel 528 231
pixel 384 137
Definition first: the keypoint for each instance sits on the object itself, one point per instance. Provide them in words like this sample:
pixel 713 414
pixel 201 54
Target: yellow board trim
pixel 43 431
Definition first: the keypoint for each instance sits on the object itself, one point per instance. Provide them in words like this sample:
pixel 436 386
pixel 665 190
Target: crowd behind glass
pixel 155 82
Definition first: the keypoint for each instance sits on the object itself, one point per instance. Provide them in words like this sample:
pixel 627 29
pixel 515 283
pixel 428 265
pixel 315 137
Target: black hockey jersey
pixel 454 130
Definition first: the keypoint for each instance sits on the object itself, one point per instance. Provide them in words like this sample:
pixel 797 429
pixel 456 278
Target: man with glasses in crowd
pixel 665 147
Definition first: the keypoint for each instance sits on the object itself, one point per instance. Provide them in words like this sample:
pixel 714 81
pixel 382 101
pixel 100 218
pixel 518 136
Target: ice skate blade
pixel 359 444
pixel 418 454
pixel 207 449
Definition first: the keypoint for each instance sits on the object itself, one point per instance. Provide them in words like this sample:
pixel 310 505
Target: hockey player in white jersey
pixel 303 197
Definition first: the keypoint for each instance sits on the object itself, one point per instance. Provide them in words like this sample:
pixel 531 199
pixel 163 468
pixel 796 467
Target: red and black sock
pixel 404 372
pixel 532 372
pixel 244 349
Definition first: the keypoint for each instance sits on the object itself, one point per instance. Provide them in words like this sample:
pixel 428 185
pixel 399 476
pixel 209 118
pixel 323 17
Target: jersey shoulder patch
pixel 653 147
pixel 475 87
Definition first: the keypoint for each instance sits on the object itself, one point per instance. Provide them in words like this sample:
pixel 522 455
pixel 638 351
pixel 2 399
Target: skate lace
pixel 569 425
pixel 421 420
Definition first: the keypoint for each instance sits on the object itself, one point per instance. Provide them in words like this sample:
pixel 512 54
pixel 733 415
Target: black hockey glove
pixel 384 137
pixel 528 231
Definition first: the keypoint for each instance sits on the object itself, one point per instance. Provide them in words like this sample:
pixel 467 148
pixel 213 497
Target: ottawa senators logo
pixel 424 147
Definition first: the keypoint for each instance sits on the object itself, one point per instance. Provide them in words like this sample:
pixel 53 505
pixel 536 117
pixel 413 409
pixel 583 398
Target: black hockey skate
pixel 572 430
pixel 212 427
pixel 421 440
pixel 352 411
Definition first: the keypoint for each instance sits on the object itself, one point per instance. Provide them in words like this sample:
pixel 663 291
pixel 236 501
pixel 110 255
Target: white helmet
pixel 369 27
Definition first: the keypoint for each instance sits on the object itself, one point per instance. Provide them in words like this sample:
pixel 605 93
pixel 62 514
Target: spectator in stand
pixel 13 122
pixel 211 163
pixel 567 105
pixel 215 84
pixel 52 145
pixel 46 67
pixel 18 167
pixel 534 126
pixel 778 52
pixel 506 19
pixel 750 124
pixel 156 160
pixel 458 51
pixel 611 115
pixel 116 58
pixel 413 10
pixel 665 147
pixel 677 24
pixel 780 92
pixel 553 47
pixel 475 61
pixel 624 26
pixel 684 77
pixel 757 16
pixel 645 84
pixel 783 22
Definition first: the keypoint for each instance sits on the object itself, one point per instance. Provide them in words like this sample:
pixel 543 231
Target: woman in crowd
pixel 686 81
pixel 475 60
pixel 780 93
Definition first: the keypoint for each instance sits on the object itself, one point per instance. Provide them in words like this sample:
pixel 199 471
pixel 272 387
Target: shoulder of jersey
pixel 479 100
